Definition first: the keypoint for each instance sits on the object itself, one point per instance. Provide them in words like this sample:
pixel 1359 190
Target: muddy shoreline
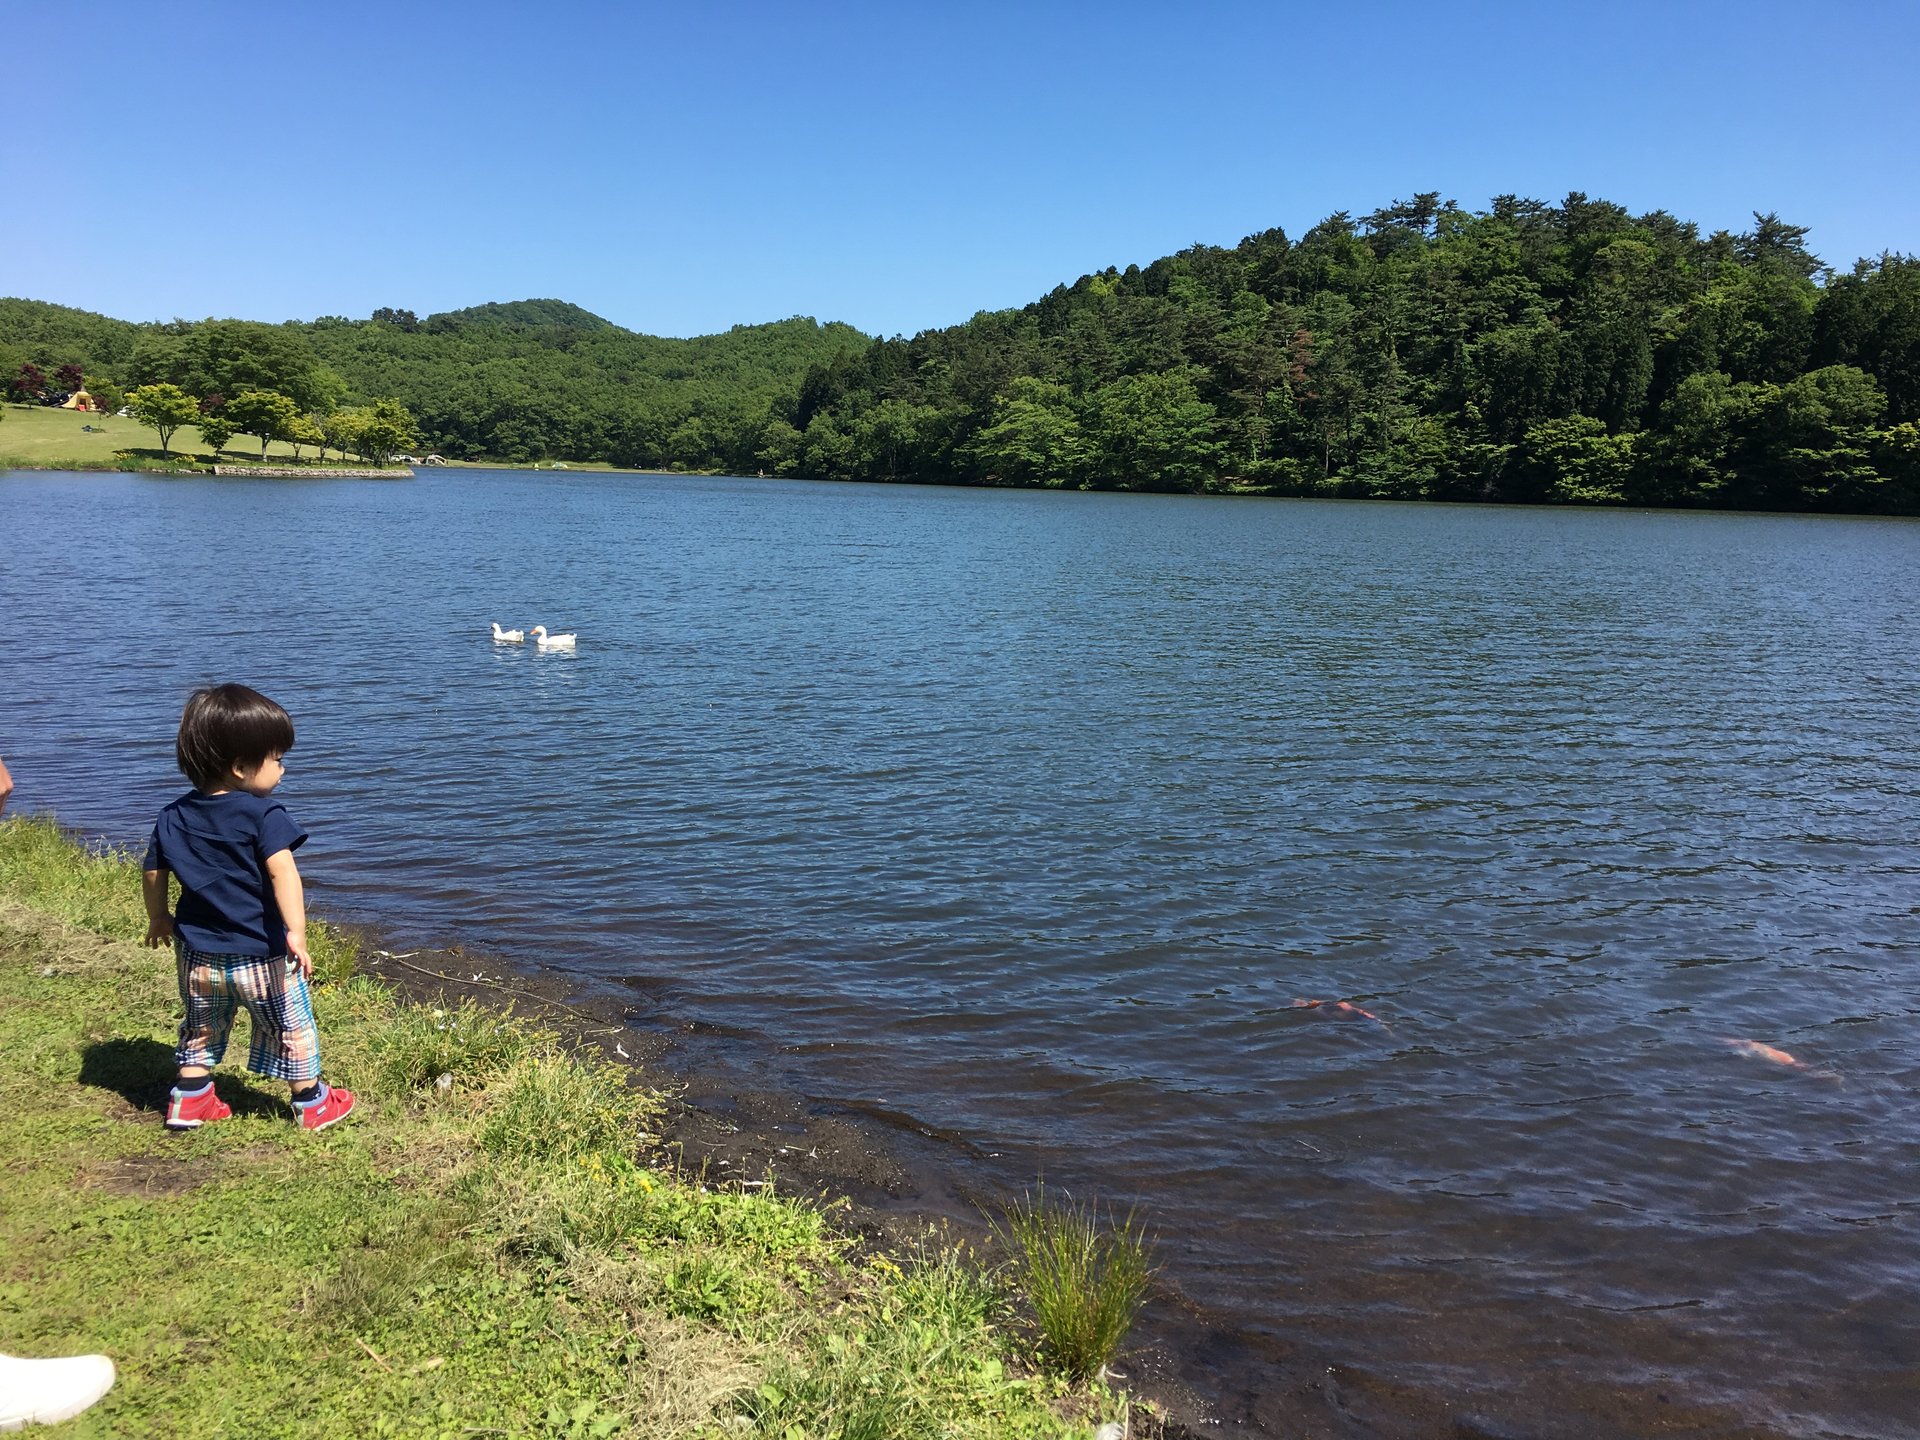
pixel 893 1178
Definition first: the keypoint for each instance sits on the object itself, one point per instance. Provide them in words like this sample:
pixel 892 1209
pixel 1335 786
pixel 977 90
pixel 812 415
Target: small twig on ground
pixel 374 1353
pixel 393 959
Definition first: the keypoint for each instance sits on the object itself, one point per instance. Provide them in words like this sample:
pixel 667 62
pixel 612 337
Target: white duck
pixel 552 642
pixel 508 637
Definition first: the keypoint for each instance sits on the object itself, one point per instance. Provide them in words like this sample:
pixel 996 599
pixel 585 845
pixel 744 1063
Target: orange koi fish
pixel 1774 1055
pixel 1346 1010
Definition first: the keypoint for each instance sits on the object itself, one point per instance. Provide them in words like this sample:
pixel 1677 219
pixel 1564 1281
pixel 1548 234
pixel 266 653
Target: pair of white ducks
pixel 540 638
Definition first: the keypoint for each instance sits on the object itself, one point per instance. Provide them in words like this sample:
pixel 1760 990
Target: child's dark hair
pixel 228 725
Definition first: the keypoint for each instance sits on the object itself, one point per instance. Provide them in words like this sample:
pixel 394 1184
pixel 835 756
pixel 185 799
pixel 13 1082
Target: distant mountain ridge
pixel 524 315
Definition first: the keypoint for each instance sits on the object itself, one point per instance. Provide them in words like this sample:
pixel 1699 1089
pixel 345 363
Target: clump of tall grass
pixel 469 1043
pixel 1084 1281
pixel 556 1108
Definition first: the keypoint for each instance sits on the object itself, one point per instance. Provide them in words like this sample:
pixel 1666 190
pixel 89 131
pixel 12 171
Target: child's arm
pixel 153 889
pixel 291 897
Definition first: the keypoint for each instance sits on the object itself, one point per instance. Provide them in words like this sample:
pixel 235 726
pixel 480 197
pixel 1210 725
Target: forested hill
pixel 1527 352
pixel 528 380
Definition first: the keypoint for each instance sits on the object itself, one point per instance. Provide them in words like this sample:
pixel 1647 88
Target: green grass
pixel 464 1046
pixel 1084 1280
pixel 46 437
pixel 501 1255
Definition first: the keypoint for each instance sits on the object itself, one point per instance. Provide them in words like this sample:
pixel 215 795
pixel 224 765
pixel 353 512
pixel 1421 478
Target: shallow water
pixel 1030 815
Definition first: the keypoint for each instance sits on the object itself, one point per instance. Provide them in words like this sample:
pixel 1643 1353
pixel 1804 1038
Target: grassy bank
pixel 40 437
pixel 489 1248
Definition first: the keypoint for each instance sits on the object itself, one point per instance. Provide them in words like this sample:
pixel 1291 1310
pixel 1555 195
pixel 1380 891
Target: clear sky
pixel 679 168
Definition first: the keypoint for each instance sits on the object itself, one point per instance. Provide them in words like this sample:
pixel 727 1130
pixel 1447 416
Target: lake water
pixel 1031 815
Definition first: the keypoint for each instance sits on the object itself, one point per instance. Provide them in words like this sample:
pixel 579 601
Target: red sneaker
pixel 190 1112
pixel 333 1105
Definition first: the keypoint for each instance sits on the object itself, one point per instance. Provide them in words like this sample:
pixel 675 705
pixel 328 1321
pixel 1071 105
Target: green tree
pixel 829 453
pixel 1033 438
pixel 301 430
pixel 1154 432
pixel 107 396
pixel 780 447
pixel 340 429
pixel 215 431
pixel 1809 443
pixel 889 437
pixel 1897 458
pixel 381 430
pixel 234 356
pixel 265 413
pixel 163 409
pixel 1577 460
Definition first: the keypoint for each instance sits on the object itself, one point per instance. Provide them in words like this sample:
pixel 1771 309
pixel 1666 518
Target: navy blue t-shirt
pixel 218 845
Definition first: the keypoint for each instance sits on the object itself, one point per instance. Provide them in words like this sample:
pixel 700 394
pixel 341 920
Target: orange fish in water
pixel 1774 1055
pixel 1344 1009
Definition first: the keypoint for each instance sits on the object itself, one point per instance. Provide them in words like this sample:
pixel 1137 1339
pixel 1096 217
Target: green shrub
pixel 610 1204
pixel 1084 1283
pixel 948 1288
pixel 94 887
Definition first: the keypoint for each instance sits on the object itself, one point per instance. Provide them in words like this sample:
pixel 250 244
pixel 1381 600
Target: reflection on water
pixel 1033 815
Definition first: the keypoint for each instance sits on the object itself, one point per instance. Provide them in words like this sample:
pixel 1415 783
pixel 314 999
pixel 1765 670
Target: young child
pixel 241 930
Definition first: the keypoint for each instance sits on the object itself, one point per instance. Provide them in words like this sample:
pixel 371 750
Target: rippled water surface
pixel 1031 815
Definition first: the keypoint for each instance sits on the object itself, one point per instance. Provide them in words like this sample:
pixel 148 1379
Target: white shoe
pixel 39 1392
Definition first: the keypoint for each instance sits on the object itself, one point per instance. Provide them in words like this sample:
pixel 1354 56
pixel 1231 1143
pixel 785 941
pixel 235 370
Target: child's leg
pixel 207 1003
pixel 286 1043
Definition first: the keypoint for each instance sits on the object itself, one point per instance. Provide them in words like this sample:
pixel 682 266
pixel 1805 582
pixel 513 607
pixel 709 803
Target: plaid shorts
pixel 285 1044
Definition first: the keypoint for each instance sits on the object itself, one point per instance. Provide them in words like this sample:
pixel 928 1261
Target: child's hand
pixel 160 932
pixel 298 953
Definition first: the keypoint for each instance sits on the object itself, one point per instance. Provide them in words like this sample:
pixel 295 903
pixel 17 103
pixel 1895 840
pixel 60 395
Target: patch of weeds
pixel 947 1286
pixel 914 1359
pixel 555 1108
pixel 391 1265
pixel 469 1042
pixel 718 1288
pixel 759 1222
pixel 336 954
pixel 611 1204
pixel 94 887
pixel 1085 1282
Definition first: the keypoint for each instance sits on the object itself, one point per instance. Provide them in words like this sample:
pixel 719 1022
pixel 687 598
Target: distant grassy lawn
pixel 42 435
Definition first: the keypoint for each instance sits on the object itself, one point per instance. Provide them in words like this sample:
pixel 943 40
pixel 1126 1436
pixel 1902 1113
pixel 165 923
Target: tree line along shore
pixel 1526 352
pixel 498 1245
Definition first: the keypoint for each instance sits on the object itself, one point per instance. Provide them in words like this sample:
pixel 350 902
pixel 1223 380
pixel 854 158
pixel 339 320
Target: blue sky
pixel 682 168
